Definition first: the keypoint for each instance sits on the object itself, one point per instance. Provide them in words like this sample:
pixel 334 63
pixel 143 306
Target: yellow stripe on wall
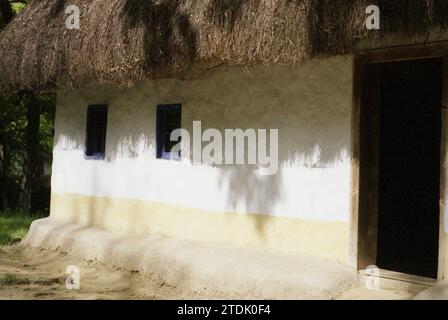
pixel 137 217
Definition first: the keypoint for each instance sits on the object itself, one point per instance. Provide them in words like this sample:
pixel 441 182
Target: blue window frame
pixel 96 132
pixel 168 120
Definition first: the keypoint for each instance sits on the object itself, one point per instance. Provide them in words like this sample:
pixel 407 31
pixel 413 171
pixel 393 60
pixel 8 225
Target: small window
pixel 96 132
pixel 168 120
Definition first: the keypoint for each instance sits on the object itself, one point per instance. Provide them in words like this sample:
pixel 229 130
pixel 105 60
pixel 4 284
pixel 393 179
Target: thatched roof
pixel 128 40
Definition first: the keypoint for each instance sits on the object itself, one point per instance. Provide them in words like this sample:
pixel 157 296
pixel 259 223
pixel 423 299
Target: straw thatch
pixel 123 41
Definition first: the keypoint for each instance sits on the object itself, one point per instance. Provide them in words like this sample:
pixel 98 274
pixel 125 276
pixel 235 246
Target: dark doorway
pixel 409 138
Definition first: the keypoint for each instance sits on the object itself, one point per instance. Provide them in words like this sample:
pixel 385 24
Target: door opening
pixel 400 156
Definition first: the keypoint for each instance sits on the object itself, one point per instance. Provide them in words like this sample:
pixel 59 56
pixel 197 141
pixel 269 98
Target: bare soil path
pixel 34 273
pixel 40 274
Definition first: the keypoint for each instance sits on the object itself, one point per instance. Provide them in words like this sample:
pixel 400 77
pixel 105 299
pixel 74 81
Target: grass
pixel 14 226
pixel 11 280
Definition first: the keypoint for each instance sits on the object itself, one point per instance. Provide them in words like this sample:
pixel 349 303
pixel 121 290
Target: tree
pixel 8 8
pixel 12 127
pixel 30 161
pixel 6 15
pixel 6 11
pixel 22 139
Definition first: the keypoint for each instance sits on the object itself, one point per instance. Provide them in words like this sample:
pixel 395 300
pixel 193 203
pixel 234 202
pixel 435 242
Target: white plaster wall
pixel 310 105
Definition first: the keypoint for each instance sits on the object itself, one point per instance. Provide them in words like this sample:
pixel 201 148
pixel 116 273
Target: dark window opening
pixel 96 131
pixel 168 120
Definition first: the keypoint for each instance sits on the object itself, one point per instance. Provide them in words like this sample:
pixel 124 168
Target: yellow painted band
pixel 137 217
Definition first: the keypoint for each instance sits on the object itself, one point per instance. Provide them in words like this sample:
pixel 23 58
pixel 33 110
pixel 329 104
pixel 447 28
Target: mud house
pixel 360 114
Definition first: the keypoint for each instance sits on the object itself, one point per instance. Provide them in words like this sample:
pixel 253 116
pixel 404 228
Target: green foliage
pixel 14 226
pixel 12 130
pixel 46 130
pixel 8 279
pixel 17 7
pixel 11 280
pixel 13 126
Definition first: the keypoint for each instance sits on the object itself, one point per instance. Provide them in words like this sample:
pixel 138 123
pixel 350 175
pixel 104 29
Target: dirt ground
pixel 39 274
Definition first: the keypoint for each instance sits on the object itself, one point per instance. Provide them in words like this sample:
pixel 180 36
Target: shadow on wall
pixel 306 144
pixel 314 127
pixel 255 193
pixel 315 145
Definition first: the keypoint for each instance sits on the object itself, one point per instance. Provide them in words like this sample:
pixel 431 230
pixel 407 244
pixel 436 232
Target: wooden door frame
pixel 363 249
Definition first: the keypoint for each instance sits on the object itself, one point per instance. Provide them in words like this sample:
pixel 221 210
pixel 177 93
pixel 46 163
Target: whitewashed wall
pixel 310 105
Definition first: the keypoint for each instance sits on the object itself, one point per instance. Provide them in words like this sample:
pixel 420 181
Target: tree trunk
pixel 31 151
pixel 3 177
pixel 6 10
pixel 7 14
